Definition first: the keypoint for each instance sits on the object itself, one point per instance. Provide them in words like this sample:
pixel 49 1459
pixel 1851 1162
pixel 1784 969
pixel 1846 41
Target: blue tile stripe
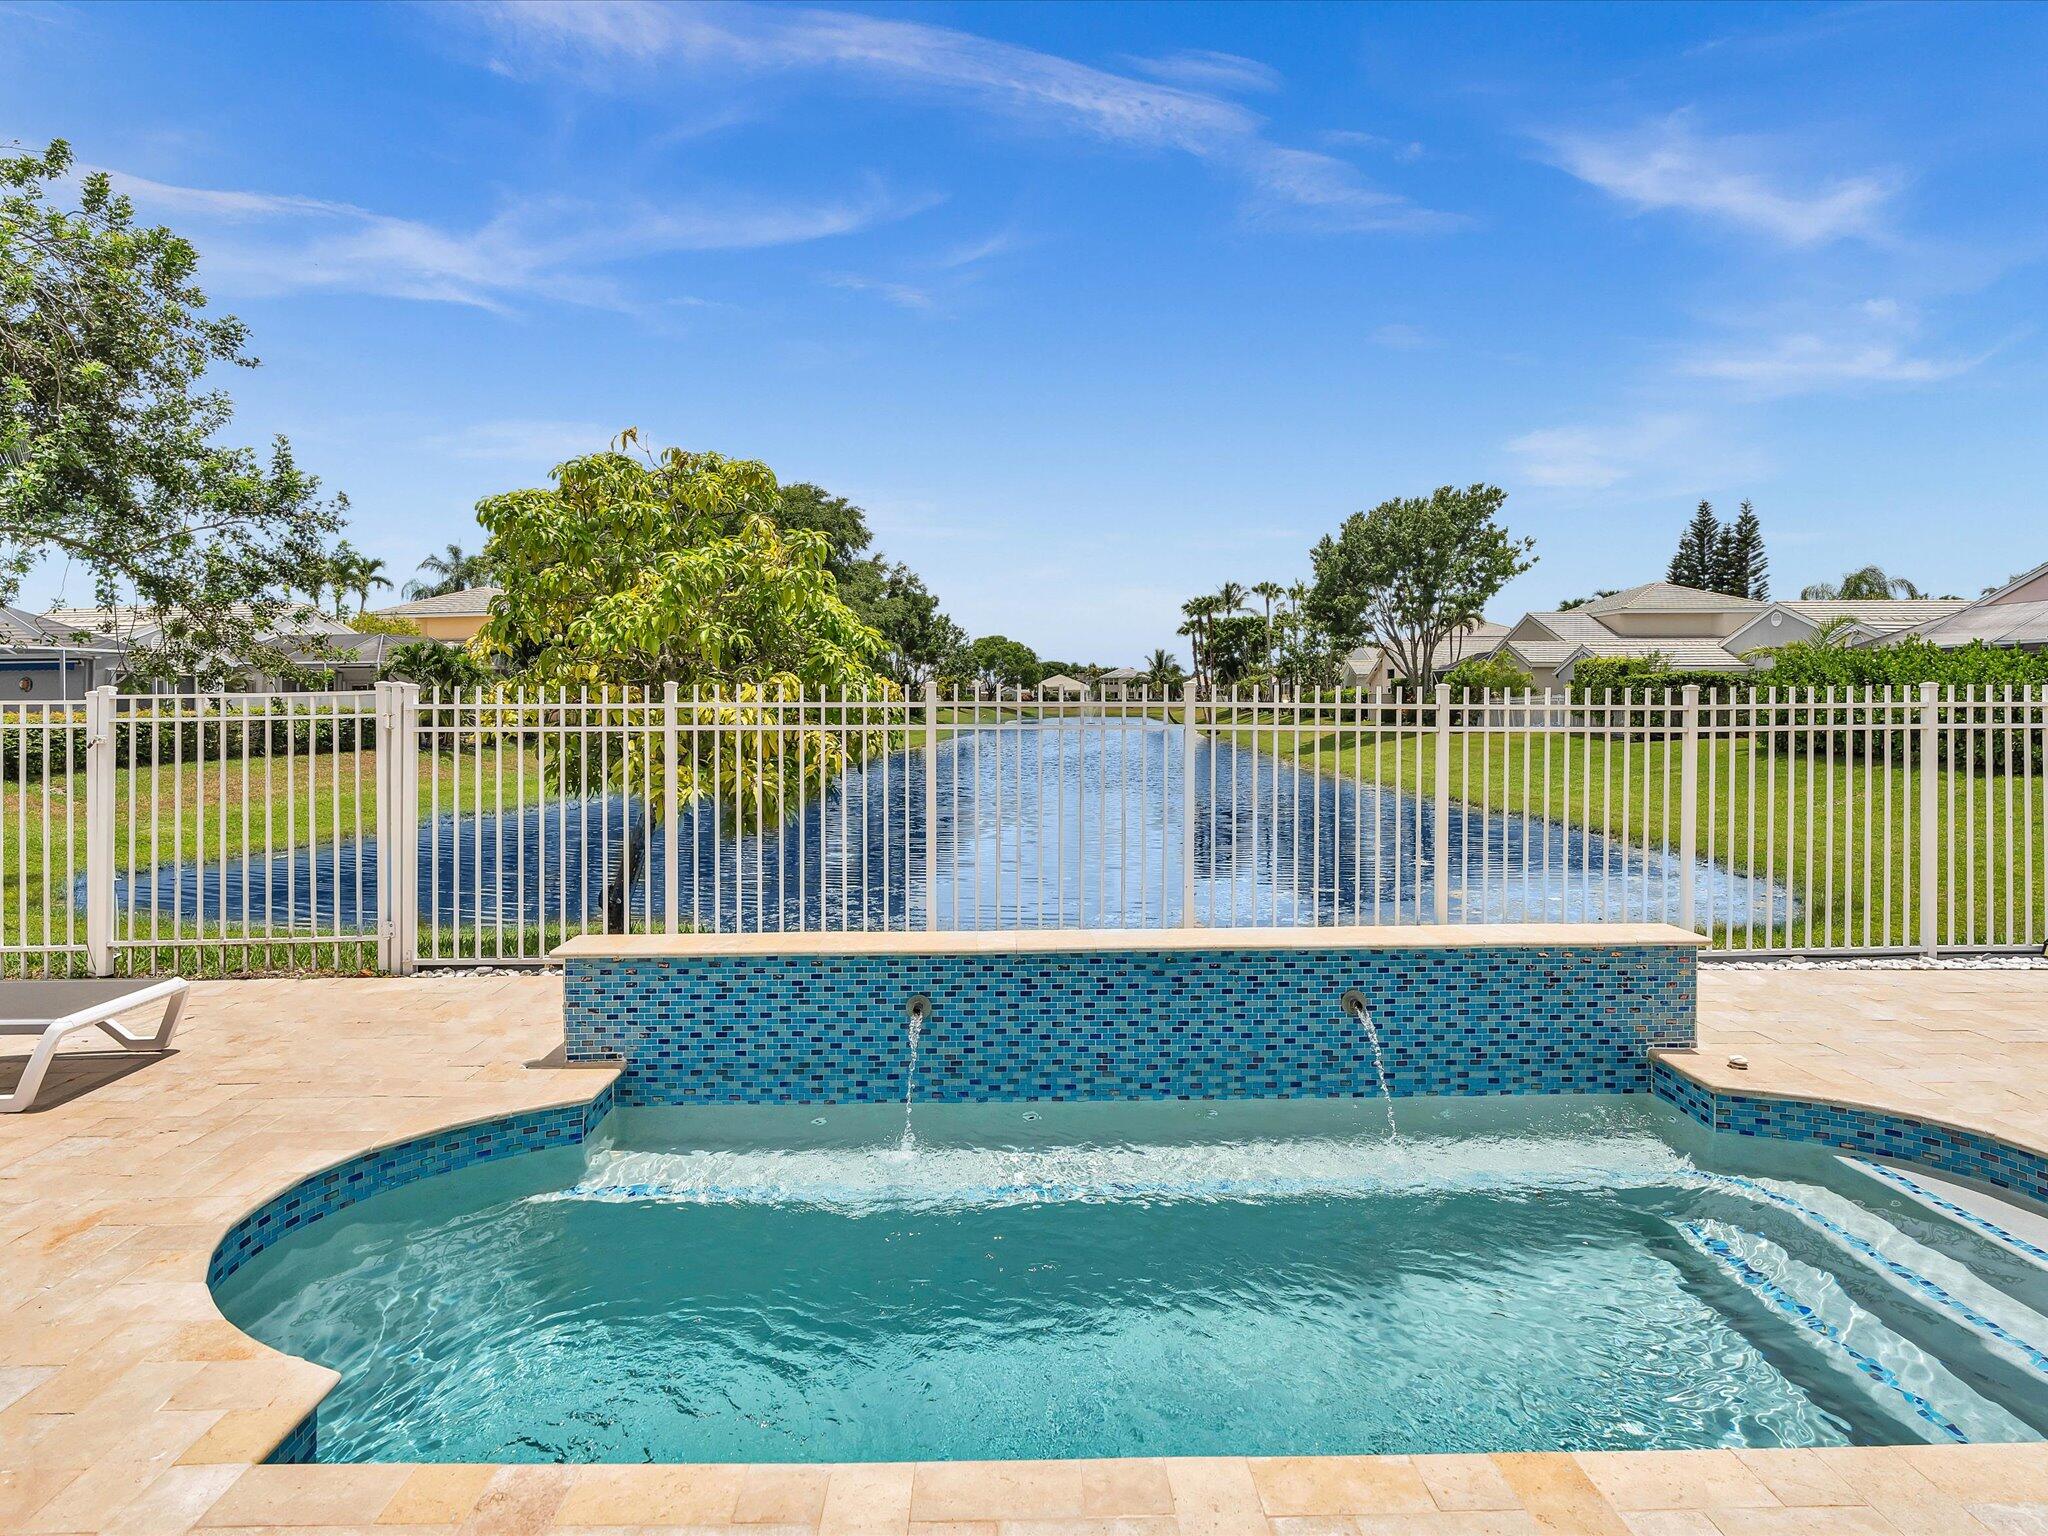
pixel 1756 1280
pixel 1866 1132
pixel 1949 1208
pixel 1130 1024
pixel 369 1173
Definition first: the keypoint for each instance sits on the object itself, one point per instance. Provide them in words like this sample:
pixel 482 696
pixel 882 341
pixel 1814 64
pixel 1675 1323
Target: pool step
pixel 1905 1380
pixel 1941 1284
pixel 1983 1225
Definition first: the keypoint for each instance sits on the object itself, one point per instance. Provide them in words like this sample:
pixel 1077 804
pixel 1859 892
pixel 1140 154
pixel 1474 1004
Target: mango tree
pixel 635 569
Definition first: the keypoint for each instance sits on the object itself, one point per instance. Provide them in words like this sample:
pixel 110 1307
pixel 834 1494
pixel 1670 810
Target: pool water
pixel 739 1284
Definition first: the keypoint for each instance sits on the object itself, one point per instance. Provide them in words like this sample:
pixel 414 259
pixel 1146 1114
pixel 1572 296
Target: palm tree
pixel 1865 584
pixel 364 574
pixel 453 570
pixel 1230 597
pixel 1272 592
pixel 1162 671
pixel 1200 611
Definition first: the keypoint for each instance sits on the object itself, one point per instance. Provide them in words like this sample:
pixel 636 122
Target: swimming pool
pixel 745 1283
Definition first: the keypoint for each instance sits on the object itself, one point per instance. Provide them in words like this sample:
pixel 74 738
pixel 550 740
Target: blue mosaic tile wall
pixel 1869 1133
pixel 371 1173
pixel 1130 1024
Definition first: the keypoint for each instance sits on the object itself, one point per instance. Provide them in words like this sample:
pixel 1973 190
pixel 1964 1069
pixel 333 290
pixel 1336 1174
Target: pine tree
pixel 1698 561
pixel 1742 566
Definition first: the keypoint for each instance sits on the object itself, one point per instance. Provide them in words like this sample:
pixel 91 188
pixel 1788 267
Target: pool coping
pixel 213 1483
pixel 693 946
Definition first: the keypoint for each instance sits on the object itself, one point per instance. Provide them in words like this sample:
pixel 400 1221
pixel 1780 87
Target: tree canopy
pixel 1413 571
pixel 1728 559
pixel 637 569
pixel 109 442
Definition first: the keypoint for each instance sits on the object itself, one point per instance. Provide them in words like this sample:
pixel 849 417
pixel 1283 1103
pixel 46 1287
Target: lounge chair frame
pixel 55 1010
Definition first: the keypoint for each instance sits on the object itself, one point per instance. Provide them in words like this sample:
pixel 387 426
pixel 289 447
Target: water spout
pixel 919 1008
pixel 1353 1003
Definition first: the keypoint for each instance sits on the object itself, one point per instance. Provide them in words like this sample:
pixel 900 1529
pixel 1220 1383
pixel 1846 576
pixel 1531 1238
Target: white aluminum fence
pixel 243 832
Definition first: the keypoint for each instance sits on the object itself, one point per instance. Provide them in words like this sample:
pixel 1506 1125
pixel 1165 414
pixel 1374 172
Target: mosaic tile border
pixel 1869 1132
pixel 370 1173
pixel 1138 1023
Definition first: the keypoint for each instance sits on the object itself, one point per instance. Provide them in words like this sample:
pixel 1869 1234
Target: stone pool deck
pixel 127 1404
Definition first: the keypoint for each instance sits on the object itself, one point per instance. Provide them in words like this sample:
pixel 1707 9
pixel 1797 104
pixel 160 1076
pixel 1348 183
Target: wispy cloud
pixel 1667 165
pixel 1203 70
pixel 1805 363
pixel 597 41
pixel 902 295
pixel 1658 448
pixel 1875 343
pixel 533 249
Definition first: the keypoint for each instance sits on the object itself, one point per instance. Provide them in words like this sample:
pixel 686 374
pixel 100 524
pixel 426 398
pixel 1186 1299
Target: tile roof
pixel 1667 597
pixel 20 628
pixel 470 602
pixel 1878 613
pixel 1680 654
pixel 1994 623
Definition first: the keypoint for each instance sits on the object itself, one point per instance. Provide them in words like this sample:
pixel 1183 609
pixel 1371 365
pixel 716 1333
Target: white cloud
pixel 1593 457
pixel 902 295
pixel 1805 363
pixel 598 40
pixel 1872 343
pixel 1204 70
pixel 543 248
pixel 1666 165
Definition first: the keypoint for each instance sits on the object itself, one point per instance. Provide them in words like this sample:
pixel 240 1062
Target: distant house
pixel 1061 686
pixel 345 658
pixel 2015 614
pixel 45 658
pixel 1368 667
pixel 1696 631
pixel 455 617
pixel 1119 682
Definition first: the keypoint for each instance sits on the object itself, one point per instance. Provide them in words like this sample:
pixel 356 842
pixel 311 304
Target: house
pixel 43 658
pixel 455 617
pixel 1697 631
pixel 1367 667
pixel 1861 621
pixel 1061 686
pixel 347 658
pixel 2015 614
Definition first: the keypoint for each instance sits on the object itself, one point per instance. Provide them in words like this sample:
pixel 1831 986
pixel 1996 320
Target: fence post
pixel 99 830
pixel 1688 803
pixel 671 805
pixel 405 864
pixel 931 805
pixel 1187 803
pixel 1930 839
pixel 387 784
pixel 1439 833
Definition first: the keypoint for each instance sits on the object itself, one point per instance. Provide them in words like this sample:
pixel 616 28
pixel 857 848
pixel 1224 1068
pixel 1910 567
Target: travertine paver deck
pixel 127 1404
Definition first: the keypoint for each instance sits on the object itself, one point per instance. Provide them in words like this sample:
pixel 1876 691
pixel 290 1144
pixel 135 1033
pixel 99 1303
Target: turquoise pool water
pixel 1152 1279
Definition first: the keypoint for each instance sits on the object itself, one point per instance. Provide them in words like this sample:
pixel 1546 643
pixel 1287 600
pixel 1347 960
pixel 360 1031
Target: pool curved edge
pixel 1942 1146
pixel 385 1166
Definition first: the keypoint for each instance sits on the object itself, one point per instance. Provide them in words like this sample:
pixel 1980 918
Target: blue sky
pixel 1095 307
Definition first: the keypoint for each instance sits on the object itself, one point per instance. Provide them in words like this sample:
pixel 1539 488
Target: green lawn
pixel 1842 836
pixel 215 814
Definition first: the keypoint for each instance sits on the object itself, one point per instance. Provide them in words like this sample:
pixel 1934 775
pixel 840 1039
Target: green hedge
pixel 29 754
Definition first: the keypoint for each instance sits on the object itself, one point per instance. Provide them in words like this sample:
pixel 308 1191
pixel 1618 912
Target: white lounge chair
pixel 56 1009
